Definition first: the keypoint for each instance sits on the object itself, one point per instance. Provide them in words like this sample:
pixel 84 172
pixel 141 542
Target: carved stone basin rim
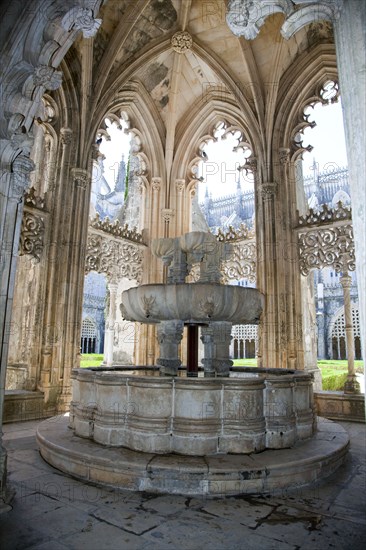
pixel 199 303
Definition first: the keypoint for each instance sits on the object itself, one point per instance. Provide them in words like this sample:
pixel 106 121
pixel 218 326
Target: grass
pixel 91 360
pixel 334 373
pixel 245 362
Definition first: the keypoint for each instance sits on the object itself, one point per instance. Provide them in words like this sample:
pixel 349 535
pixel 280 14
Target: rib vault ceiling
pixel 134 44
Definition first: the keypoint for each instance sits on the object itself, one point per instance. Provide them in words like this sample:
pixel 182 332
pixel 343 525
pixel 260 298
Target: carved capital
pixel 66 136
pixel 346 281
pixel 284 155
pixel 268 191
pixel 179 184
pixel 81 19
pixel 81 177
pixel 47 77
pixel 181 41
pixel 156 184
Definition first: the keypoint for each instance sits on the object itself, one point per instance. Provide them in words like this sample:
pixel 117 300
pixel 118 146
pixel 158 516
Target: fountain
pixel 154 429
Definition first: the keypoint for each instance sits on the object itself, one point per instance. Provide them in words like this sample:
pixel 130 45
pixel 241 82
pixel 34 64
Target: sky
pixel 220 173
pixel 113 150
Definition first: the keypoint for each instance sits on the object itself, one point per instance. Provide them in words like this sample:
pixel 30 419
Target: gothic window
pixel 223 168
pixel 88 336
pixel 111 167
pixel 244 341
pixel 338 335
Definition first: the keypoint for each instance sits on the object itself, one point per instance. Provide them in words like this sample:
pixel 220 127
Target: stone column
pixel 13 183
pixel 351 385
pixel 169 336
pixel 208 354
pixel 349 31
pixel 73 304
pixel 55 268
pixel 192 350
pixel 266 269
pixel 222 338
pixel 110 323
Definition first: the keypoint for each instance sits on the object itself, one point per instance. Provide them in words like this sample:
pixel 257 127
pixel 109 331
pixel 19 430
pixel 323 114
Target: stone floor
pixel 52 511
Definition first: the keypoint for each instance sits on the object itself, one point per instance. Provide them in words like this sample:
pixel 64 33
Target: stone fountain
pixel 158 431
pixel 206 303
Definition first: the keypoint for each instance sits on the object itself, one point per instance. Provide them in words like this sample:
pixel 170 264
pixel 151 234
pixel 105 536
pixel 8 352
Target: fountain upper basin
pixel 192 303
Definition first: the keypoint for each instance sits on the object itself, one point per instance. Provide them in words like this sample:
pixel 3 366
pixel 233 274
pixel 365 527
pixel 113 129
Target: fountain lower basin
pixel 266 409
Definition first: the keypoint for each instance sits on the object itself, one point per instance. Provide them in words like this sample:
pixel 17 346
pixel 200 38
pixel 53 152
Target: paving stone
pixel 336 535
pixel 99 535
pixel 166 504
pixel 52 511
pixel 51 544
pixel 132 520
pixel 20 533
pixel 63 521
pixel 245 512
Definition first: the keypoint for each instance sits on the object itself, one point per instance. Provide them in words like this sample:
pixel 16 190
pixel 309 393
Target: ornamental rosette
pixel 181 41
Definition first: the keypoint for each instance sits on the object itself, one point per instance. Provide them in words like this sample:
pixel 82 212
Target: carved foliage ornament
pixel 32 199
pixel 47 77
pixel 181 41
pixel 241 263
pixel 81 178
pixel 327 247
pixel 116 229
pixel 22 167
pixel 81 19
pixel 325 215
pixel 208 307
pixel 242 233
pixel 106 255
pixel 32 235
pixel 245 17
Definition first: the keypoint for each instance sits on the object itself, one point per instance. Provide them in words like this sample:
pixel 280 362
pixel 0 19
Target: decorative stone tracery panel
pixel 325 239
pixel 330 247
pixel 32 235
pixel 241 263
pixel 114 257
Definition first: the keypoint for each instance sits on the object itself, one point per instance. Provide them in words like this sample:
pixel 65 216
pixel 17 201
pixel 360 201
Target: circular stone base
pixel 217 475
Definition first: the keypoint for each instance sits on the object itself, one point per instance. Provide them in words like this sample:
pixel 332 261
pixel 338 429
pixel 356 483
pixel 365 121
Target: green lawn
pixel 91 360
pixel 324 365
pixel 334 373
pixel 245 362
